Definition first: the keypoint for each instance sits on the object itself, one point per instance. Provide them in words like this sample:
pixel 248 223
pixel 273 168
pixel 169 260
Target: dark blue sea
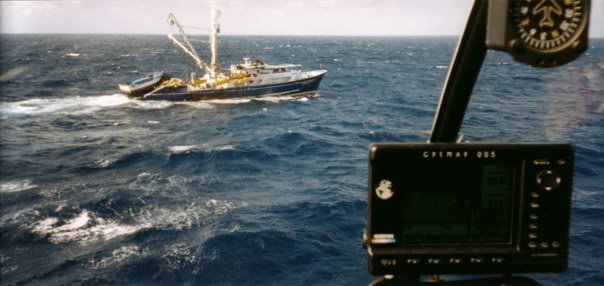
pixel 97 188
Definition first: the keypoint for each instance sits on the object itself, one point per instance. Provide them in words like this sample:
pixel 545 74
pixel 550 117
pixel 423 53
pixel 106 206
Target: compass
pixel 548 25
pixel 548 32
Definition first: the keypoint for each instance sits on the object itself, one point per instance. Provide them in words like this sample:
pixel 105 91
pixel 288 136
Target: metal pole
pixel 214 29
pixel 463 73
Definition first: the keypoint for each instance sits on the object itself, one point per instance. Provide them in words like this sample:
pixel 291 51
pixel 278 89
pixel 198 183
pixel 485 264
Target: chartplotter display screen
pixel 465 205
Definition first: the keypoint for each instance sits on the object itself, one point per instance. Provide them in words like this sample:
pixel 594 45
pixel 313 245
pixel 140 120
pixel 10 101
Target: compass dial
pixel 548 25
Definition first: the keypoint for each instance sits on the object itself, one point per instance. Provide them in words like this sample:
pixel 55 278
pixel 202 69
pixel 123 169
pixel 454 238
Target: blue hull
pixel 307 85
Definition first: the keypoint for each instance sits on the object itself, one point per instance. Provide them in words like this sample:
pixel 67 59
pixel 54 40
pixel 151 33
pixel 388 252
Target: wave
pixel 527 78
pixel 13 73
pixel 182 256
pixel 118 256
pixel 274 250
pixel 191 148
pixel 182 148
pixel 185 217
pixel 130 159
pixel 16 186
pixel 174 154
pixel 83 228
pixel 87 226
pixel 54 83
pixel 314 211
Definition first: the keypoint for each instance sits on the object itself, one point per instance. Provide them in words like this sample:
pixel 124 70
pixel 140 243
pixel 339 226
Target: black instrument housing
pixel 445 208
pixel 501 35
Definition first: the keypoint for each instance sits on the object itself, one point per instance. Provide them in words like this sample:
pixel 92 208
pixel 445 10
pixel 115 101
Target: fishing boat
pixel 246 79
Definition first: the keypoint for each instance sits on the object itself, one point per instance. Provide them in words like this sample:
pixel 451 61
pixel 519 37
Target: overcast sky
pixel 249 17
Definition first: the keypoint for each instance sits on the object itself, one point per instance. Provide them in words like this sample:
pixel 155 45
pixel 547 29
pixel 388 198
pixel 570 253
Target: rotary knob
pixel 548 180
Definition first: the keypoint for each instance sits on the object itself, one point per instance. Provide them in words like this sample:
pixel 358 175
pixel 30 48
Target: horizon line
pixel 197 34
pixel 252 35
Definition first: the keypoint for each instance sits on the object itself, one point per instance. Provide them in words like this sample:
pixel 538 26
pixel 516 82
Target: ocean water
pixel 96 188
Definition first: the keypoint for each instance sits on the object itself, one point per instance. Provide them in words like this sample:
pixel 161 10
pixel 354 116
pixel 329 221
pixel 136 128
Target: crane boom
pixel 186 47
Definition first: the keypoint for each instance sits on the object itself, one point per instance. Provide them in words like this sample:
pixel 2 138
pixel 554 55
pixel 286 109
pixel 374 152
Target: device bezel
pixel 507 257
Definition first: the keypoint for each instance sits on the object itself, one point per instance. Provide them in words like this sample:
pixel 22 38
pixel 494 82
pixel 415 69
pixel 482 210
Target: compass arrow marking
pixel 547 10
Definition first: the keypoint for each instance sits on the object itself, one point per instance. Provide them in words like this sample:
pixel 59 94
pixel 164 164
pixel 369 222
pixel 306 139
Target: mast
pixel 214 30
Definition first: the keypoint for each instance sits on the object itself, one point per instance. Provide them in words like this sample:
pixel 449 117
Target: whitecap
pixel 104 163
pixel 442 67
pixel 6 267
pixel 117 256
pixel 75 55
pixel 87 227
pixel 186 217
pixel 143 175
pixel 182 148
pixel 16 186
pixel 84 228
pixel 222 148
pixel 51 193
pixel 118 123
pixel 234 228
pixel 178 149
pixel 181 256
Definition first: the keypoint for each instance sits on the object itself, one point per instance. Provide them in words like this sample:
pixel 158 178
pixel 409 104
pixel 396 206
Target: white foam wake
pixel 64 105
pixel 273 99
pixel 76 105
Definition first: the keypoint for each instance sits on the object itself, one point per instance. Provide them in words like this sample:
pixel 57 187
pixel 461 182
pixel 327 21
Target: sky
pixel 249 17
